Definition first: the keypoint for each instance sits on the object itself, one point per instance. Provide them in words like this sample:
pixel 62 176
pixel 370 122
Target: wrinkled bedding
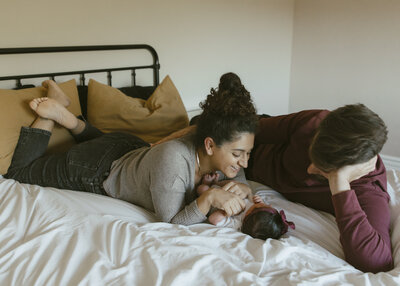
pixel 60 237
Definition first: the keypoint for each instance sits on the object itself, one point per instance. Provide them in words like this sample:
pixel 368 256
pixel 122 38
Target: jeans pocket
pixel 88 156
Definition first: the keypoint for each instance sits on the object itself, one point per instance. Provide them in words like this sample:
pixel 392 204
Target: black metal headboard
pixel 155 66
pixel 142 92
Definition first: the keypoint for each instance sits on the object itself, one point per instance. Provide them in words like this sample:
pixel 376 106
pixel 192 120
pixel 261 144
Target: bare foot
pixel 55 92
pixel 51 109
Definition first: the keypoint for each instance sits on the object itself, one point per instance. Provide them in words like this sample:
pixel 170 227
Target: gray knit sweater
pixel 160 179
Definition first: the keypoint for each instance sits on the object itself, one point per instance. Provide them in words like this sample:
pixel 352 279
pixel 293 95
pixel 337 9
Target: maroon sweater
pixel 280 160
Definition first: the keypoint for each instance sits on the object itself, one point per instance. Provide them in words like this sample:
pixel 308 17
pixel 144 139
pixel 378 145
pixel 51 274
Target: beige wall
pixel 196 41
pixel 347 52
pixel 321 53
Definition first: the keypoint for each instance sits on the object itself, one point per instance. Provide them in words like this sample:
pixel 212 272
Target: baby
pixel 258 219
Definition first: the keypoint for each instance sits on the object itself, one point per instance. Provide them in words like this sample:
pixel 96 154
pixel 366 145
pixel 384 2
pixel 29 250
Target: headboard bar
pixel 109 78
pixel 18 78
pixel 133 77
pixel 155 66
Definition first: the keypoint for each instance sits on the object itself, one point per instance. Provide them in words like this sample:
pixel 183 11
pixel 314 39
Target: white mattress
pixel 59 237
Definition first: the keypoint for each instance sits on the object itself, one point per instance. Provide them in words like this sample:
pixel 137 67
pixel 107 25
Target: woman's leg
pixel 89 163
pixel 84 167
pixel 86 132
pixel 53 92
pixel 33 140
pixel 83 131
pixel 51 110
pixel 32 144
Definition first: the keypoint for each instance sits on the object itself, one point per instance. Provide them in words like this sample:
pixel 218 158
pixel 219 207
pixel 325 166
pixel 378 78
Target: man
pixel 329 161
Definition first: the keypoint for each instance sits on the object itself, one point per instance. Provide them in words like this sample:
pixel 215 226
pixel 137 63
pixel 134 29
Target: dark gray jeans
pixel 82 168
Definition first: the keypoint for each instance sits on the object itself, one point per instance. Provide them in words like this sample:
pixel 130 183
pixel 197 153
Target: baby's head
pixel 263 221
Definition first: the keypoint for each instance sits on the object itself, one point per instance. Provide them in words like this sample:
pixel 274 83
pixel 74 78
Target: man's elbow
pixel 373 263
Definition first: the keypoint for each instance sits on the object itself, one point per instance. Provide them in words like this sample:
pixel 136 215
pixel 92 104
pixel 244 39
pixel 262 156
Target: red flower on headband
pixel 286 223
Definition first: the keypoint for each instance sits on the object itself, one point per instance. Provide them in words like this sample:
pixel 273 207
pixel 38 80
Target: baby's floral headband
pixel 286 223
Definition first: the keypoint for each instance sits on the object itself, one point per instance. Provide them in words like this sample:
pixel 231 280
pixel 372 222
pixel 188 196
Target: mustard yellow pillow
pixel 110 110
pixel 15 113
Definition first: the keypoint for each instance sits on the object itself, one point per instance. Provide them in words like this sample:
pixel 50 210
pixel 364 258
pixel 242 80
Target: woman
pixel 329 161
pixel 161 179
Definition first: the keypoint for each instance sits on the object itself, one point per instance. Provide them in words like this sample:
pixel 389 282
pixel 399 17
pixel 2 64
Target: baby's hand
pixel 257 199
pixel 210 178
pixel 215 177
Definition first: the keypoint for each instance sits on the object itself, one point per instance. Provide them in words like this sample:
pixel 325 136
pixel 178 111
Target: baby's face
pixel 260 207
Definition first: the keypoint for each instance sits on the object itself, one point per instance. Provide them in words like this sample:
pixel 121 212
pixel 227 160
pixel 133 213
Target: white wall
pixel 342 51
pixel 347 52
pixel 197 41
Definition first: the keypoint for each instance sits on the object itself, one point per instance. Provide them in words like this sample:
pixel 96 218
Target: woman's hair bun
pixel 229 81
pixel 230 99
pixel 228 111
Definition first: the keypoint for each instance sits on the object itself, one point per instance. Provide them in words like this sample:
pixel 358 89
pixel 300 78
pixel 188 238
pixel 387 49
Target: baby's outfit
pixel 236 220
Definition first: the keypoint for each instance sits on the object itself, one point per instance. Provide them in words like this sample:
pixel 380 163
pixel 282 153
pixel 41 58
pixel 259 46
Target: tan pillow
pixel 110 110
pixel 15 113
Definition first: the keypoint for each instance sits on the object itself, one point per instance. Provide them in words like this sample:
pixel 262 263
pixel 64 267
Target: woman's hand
pixel 219 198
pixel 340 179
pixel 225 200
pixel 239 189
pixel 229 197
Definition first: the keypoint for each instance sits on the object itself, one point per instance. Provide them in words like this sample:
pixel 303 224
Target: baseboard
pixel 391 162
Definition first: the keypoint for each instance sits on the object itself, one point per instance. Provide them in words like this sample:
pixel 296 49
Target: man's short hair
pixel 348 135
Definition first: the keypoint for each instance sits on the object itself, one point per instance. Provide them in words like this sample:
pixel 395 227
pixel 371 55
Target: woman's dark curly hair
pixel 228 111
pixel 348 135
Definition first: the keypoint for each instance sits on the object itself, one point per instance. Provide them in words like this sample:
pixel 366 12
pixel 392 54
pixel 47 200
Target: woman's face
pixel 231 156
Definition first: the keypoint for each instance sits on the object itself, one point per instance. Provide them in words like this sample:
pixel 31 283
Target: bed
pixel 50 236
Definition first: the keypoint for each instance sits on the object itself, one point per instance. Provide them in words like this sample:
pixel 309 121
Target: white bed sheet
pixel 59 237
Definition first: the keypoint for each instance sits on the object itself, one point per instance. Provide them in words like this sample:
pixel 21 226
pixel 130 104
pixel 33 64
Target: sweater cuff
pixel 197 212
pixel 189 215
pixel 345 204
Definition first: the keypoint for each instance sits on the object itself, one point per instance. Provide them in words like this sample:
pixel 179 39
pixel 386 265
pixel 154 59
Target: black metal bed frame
pixel 155 66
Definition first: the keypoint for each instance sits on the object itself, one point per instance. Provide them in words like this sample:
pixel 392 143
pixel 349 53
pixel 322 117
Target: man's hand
pixel 340 179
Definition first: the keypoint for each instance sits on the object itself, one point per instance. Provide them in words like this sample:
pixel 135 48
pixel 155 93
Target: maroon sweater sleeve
pixel 363 219
pixel 280 129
